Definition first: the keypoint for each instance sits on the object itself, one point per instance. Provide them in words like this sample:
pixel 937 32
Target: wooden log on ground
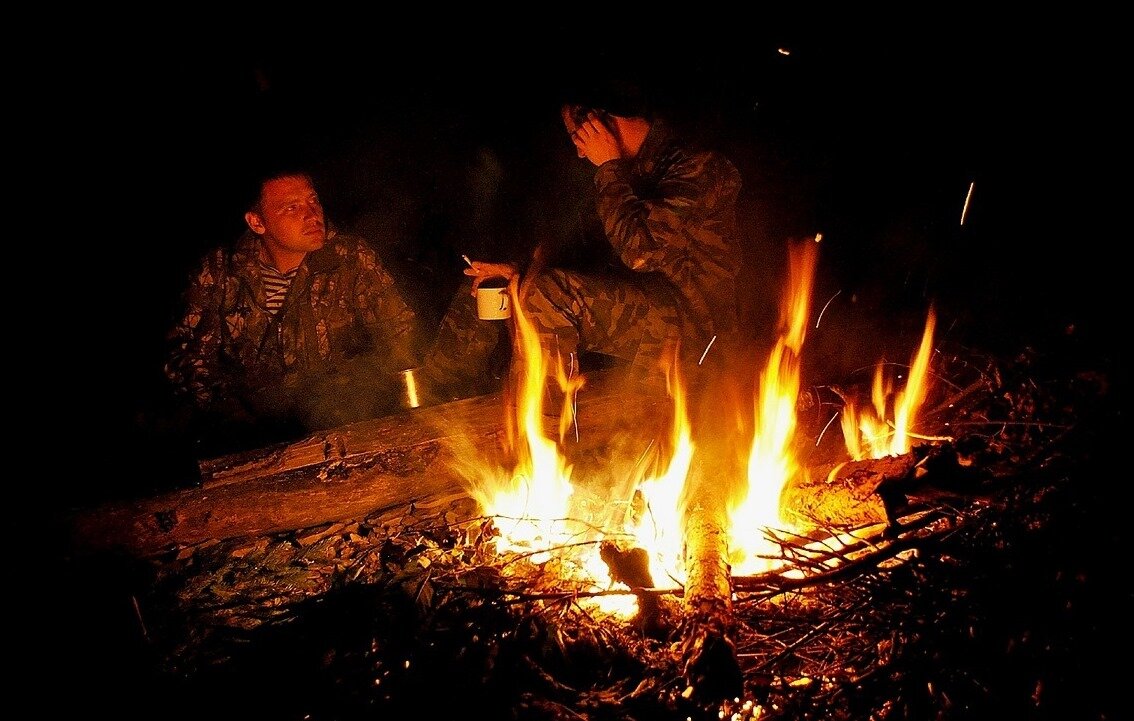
pixel 346 473
pixel 844 494
pixel 708 652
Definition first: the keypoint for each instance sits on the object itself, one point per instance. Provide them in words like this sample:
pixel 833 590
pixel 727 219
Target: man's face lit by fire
pixel 290 216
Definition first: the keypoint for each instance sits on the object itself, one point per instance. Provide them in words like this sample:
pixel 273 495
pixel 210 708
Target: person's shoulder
pixel 697 146
pixel 233 252
pixel 697 158
pixel 348 240
pixel 348 248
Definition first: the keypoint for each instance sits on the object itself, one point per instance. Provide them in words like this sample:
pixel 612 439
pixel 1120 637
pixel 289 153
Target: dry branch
pixel 845 494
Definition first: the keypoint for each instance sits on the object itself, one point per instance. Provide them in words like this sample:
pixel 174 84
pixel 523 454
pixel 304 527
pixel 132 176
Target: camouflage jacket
pixel 671 211
pixel 342 307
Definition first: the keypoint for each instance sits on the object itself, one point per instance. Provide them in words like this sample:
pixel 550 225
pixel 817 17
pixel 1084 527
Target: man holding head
pixel 668 210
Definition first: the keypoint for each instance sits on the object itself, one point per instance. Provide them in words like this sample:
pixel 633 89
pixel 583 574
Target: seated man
pixel 297 327
pixel 668 212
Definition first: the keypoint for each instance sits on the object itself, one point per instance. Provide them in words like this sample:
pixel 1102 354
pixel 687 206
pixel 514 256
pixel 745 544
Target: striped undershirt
pixel 275 285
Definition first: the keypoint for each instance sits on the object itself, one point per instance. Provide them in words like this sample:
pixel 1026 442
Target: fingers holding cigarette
pixel 481 271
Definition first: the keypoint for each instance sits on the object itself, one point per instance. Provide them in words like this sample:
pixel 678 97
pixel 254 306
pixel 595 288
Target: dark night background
pixel 440 141
pixel 436 144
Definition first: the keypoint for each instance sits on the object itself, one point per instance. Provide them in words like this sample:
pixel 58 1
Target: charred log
pixel 632 567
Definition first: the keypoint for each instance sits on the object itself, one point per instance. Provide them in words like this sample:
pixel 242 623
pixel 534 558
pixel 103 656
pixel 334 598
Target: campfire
pixel 539 509
pixel 634 557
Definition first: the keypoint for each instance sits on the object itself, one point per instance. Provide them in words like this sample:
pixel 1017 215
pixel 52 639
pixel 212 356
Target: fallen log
pixel 348 473
pixel 881 490
pixel 850 494
pixel 844 494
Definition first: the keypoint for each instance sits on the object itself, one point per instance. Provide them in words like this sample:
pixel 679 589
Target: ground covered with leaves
pixel 999 595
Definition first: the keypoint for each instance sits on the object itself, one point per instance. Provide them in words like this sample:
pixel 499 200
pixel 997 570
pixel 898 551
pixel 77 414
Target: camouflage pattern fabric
pixel 670 215
pixel 634 318
pixel 458 361
pixel 327 357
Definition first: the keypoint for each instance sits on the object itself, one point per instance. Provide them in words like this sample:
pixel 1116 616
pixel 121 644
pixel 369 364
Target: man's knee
pixel 550 288
pixel 549 300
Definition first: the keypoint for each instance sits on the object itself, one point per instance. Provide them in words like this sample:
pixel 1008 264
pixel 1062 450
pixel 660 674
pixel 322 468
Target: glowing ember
pixel 968 198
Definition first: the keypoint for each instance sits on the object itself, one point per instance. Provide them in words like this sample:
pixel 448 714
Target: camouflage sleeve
pixel 385 310
pixel 194 340
pixel 657 233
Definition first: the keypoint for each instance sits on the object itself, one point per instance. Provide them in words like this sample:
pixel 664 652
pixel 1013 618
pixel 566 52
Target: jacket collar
pixel 246 254
pixel 653 147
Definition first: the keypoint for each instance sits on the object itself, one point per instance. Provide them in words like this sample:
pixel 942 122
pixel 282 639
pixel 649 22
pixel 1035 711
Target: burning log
pixel 341 475
pixel 708 651
pixel 845 494
pixel 859 493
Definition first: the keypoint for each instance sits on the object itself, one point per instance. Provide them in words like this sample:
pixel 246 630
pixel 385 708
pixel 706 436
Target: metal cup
pixel 493 302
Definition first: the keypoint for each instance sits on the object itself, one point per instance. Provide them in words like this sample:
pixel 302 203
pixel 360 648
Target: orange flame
pixel 884 429
pixel 770 463
pixel 539 512
pixel 659 529
pixel 533 505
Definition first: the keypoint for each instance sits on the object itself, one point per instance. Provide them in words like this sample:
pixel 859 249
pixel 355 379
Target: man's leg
pixel 613 315
pixel 458 361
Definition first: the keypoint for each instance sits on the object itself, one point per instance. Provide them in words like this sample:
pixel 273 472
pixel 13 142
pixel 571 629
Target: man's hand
pixel 595 142
pixel 481 271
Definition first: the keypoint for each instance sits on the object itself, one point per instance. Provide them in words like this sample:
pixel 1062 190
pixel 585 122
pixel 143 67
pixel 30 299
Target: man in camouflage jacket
pixel 323 356
pixel 668 211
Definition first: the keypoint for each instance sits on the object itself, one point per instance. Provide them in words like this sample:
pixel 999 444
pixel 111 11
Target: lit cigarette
pixel 467 260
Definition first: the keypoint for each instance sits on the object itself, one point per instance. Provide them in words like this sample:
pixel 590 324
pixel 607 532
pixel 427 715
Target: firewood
pixel 631 566
pixel 708 652
pixel 844 494
pixel 346 473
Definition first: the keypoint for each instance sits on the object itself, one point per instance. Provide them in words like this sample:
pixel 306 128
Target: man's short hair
pixel 267 172
pixel 614 96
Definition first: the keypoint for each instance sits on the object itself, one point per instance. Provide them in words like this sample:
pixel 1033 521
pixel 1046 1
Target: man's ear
pixel 255 222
